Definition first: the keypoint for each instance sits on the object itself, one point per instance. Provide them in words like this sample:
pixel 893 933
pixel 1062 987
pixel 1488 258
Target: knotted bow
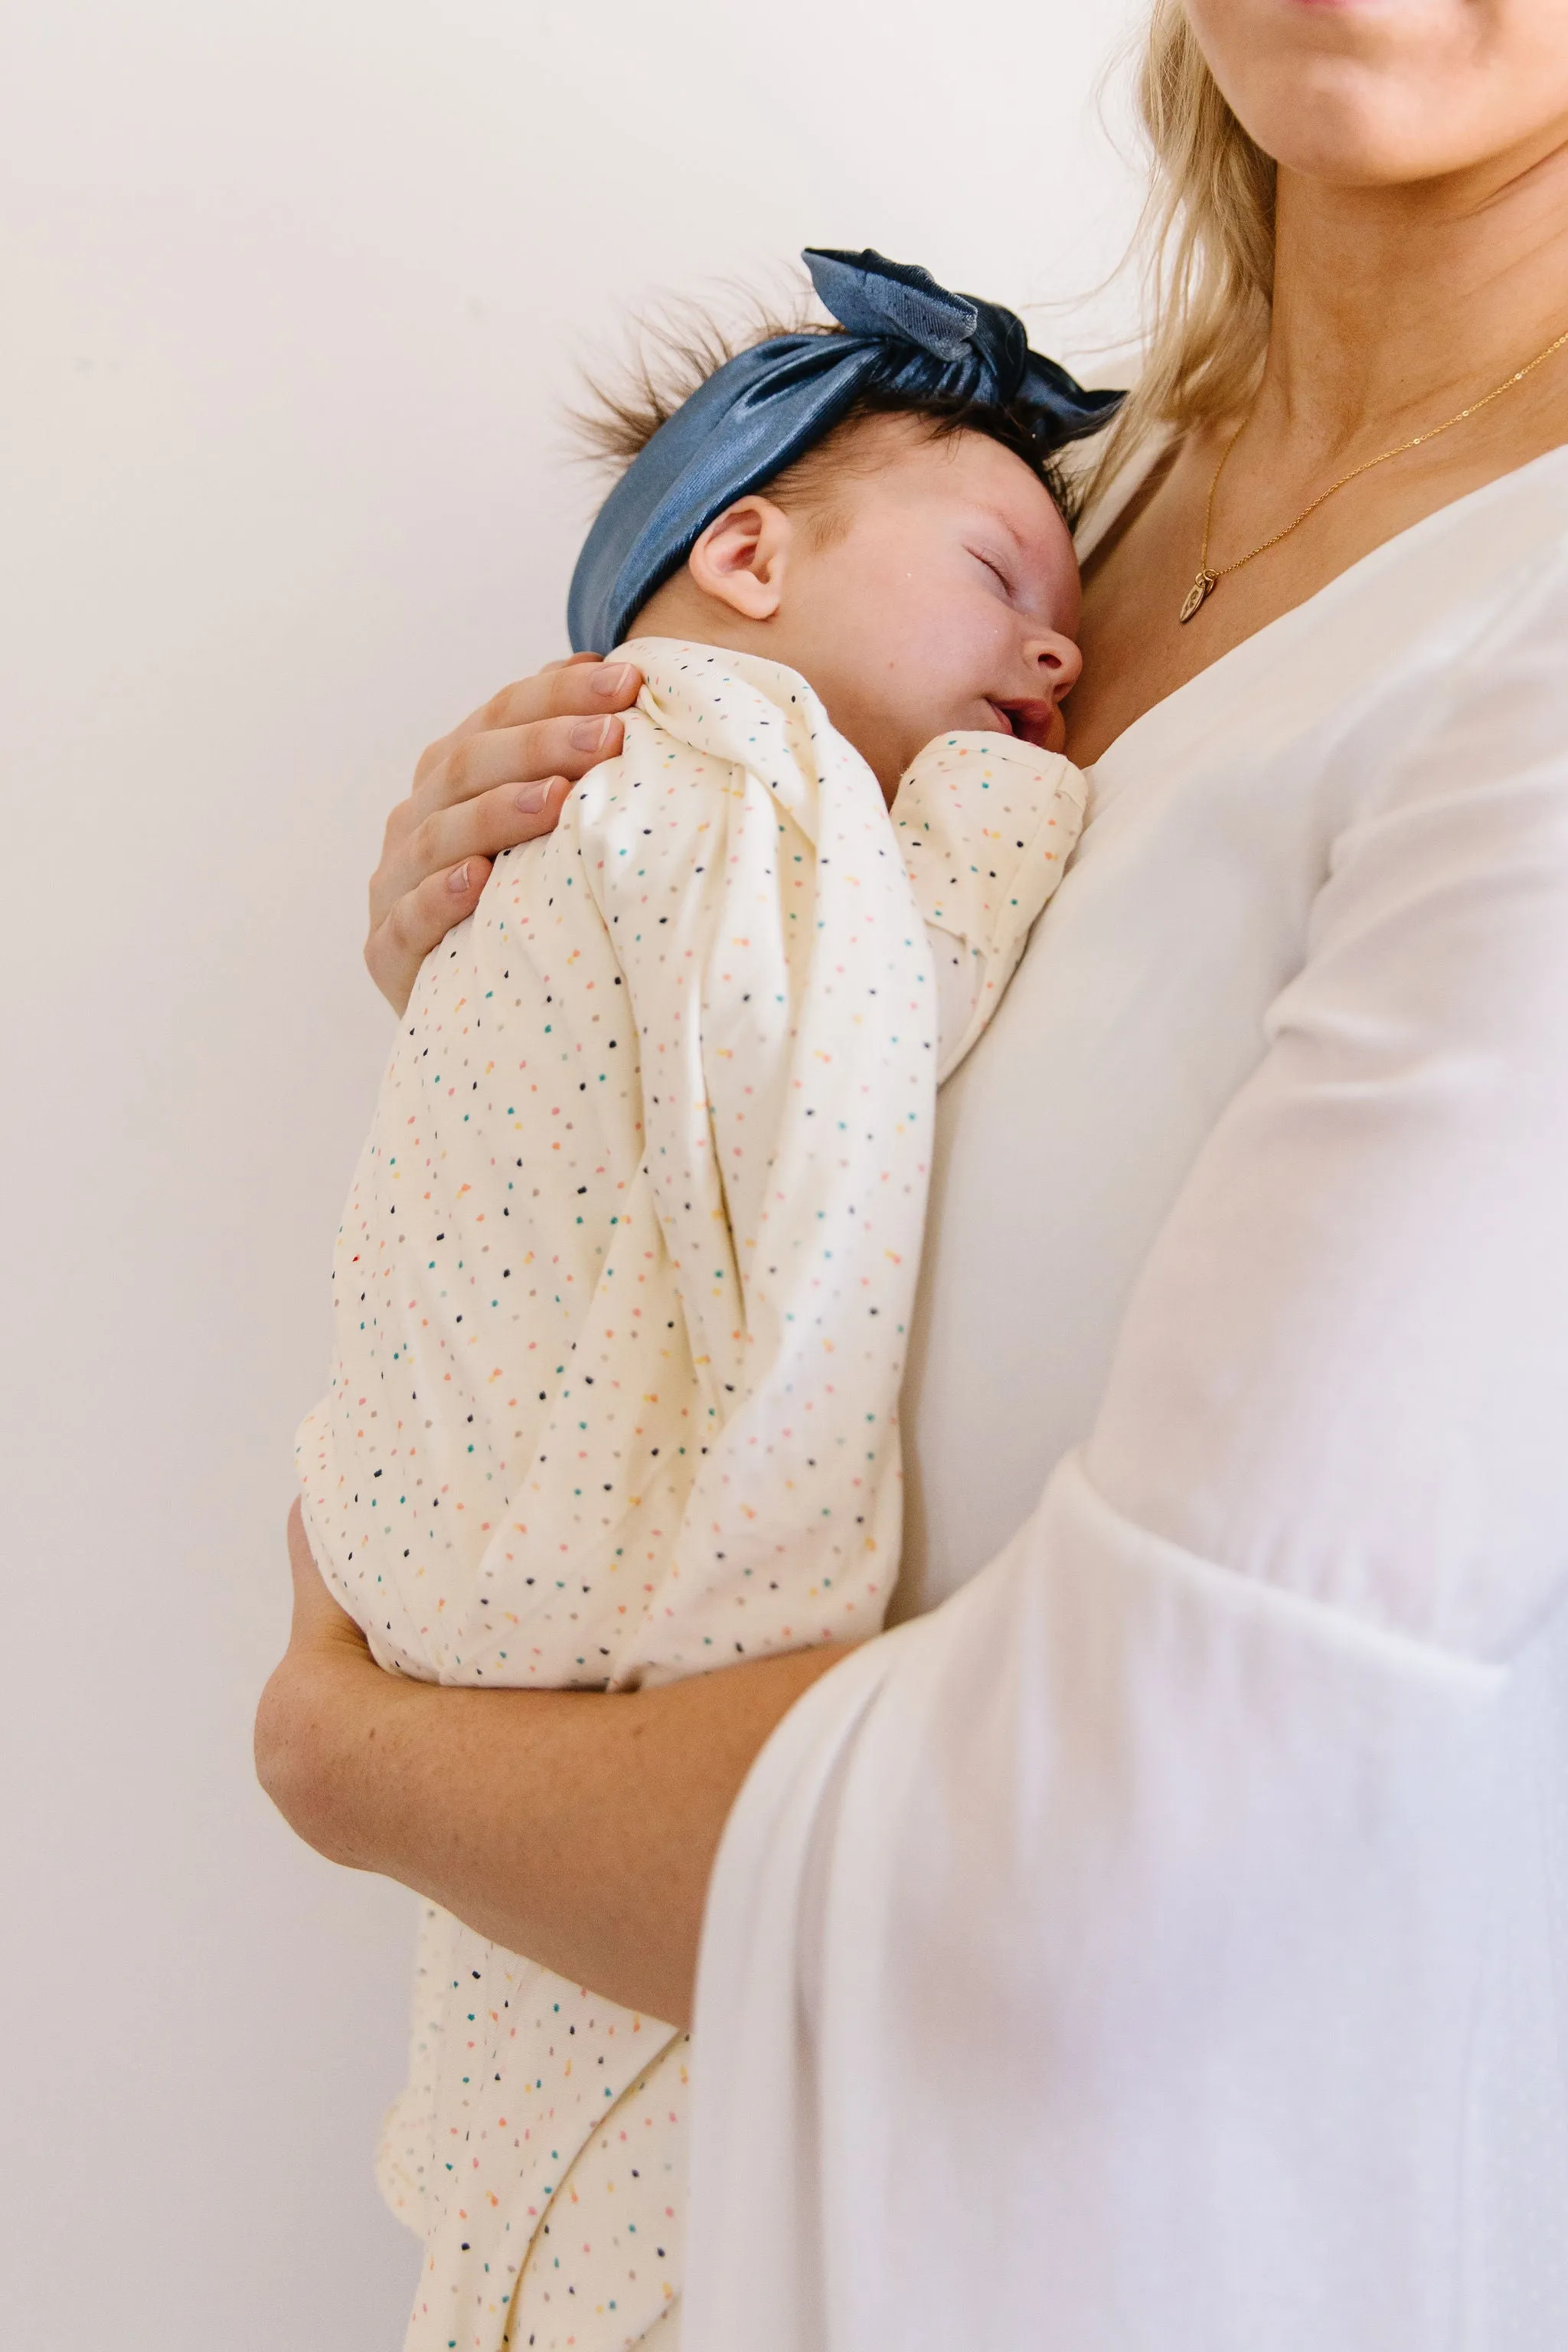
pixel 767 406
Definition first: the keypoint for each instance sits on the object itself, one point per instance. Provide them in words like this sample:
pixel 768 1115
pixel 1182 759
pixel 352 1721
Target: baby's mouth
pixel 1031 722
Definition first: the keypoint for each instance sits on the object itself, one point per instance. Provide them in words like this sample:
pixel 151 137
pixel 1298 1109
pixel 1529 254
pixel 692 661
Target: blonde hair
pixel 1207 240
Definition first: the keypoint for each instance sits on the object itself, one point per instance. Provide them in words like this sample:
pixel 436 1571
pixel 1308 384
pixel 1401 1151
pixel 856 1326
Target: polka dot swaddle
pixel 621 1301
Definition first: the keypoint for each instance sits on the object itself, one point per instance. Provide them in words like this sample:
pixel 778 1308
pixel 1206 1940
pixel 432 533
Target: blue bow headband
pixel 767 406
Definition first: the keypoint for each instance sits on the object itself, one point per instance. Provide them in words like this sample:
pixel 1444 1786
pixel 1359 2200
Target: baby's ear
pixel 742 559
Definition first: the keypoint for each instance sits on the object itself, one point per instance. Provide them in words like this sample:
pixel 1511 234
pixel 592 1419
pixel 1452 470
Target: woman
pixel 1160 1943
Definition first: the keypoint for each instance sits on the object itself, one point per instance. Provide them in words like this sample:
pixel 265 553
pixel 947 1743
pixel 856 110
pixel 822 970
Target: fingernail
pixel 532 798
pixel 457 880
pixel 613 678
pixel 591 734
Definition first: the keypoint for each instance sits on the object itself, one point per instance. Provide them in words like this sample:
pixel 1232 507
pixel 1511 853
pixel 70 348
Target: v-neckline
pixel 1263 641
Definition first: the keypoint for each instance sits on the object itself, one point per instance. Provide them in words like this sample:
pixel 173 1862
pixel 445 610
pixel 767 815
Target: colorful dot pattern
pixel 621 1301
pixel 539 2150
pixel 986 825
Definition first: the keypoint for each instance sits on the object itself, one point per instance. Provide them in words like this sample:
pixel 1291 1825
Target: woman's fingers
pixel 523 754
pixel 497 780
pixel 582 687
pixel 433 879
pixel 399 943
pixel 499 819
pixel 507 803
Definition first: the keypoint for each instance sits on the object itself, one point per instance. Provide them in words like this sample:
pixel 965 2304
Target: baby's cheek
pixel 939 644
pixel 968 658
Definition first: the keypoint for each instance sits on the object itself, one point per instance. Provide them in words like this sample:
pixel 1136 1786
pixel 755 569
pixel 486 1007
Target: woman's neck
pixel 1393 310
pixel 1394 306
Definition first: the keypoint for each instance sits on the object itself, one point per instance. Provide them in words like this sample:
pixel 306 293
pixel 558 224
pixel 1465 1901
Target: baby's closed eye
pixel 994 566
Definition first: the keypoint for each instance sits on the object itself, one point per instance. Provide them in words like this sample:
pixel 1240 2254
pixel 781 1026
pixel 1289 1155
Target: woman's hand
pixel 497 780
pixel 304 1703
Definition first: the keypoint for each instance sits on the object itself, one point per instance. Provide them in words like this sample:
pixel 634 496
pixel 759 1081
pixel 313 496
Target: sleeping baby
pixel 624 1284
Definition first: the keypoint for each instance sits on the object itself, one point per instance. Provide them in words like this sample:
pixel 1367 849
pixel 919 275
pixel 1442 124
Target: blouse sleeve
pixel 1157 1948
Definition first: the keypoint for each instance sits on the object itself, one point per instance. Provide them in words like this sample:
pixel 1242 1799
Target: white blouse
pixel 1162 1945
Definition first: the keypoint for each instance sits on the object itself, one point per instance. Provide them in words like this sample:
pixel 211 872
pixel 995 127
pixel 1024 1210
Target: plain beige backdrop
pixel 288 295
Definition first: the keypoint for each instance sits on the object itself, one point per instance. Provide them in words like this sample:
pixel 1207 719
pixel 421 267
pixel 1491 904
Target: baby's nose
pixel 1056 661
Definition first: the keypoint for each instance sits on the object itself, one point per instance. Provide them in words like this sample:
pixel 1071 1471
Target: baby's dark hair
pixel 675 354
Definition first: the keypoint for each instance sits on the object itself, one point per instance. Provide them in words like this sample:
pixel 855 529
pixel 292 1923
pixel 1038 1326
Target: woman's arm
pixel 574 1826
pixel 497 780
pixel 1173 1913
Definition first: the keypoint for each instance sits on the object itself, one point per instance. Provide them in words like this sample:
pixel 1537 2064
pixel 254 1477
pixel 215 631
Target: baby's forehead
pixel 970 471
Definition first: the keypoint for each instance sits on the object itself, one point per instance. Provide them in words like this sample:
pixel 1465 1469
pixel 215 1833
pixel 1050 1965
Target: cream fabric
pixel 1162 1945
pixel 622 1303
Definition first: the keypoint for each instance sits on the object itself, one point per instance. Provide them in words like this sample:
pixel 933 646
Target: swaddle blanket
pixel 622 1296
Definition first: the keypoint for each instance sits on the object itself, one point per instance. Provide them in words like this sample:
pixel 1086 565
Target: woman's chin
pixel 1382 93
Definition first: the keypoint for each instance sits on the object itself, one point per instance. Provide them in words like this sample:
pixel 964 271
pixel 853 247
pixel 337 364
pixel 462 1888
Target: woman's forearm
pixel 577 1827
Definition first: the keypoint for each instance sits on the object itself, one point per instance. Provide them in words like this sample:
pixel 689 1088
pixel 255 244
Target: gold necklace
pixel 1209 577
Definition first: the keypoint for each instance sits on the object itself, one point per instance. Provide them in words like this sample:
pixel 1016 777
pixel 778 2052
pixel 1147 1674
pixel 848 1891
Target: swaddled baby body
pixel 623 1286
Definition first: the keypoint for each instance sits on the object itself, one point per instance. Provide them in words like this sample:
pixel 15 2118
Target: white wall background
pixel 288 299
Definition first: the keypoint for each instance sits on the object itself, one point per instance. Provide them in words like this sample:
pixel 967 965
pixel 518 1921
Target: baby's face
pixel 950 601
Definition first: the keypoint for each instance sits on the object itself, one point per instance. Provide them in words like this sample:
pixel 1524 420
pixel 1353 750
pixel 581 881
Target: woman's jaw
pixel 1387 93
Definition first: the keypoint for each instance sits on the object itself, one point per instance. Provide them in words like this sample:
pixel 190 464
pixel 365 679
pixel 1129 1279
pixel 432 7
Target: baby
pixel 624 1282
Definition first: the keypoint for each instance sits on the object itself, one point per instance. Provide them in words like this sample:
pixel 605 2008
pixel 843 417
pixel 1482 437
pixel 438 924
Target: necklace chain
pixel 1209 576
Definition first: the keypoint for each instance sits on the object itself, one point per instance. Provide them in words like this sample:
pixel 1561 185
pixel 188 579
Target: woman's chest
pixel 1143 637
pixel 1137 1016
pixel 1139 1010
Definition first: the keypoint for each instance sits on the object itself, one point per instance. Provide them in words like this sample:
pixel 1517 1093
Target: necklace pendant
pixel 1203 586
